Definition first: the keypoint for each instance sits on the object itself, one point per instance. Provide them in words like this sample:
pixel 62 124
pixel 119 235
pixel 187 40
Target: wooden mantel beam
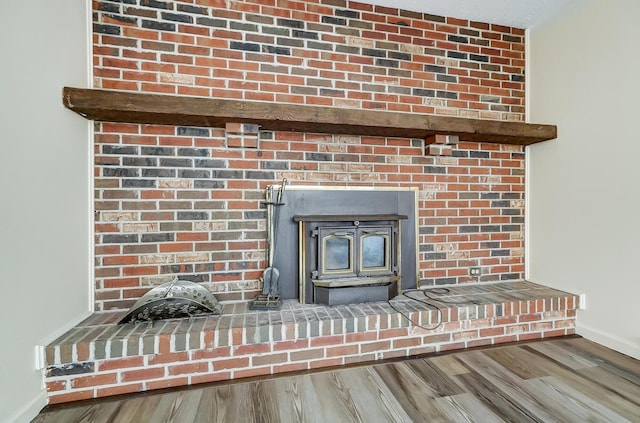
pixel 133 107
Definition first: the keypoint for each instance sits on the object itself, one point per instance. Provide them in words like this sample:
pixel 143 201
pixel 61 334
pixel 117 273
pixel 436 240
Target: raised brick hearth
pixel 98 358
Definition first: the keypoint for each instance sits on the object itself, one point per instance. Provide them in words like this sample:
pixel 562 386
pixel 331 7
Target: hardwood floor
pixel 560 380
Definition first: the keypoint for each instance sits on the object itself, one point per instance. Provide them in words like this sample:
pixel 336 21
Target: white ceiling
pixel 514 13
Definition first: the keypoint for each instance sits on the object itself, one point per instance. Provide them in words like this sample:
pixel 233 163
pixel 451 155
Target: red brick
pixel 330 362
pixel 393 333
pixel 70 397
pixel 143 374
pixel 56 385
pixel 168 358
pixel 167 383
pixel 291 345
pixel 233 363
pixel 290 367
pixel 251 349
pixel 261 371
pixel 327 340
pixel 119 390
pixel 262 360
pixel 211 377
pixel 371 347
pixel 120 363
pixel 93 381
pixel 188 368
pixel 342 350
pixel 212 353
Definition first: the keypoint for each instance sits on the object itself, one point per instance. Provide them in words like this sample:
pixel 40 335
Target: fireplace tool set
pixel 270 297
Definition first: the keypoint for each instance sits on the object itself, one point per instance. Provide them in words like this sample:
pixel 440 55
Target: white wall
pixel 584 188
pixel 45 223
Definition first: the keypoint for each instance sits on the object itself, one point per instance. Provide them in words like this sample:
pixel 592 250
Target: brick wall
pixel 178 200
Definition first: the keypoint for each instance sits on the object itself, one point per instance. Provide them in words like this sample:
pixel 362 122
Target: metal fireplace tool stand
pixel 270 298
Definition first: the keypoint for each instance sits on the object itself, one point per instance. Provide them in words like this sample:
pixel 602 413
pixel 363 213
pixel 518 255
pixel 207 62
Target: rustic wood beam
pixel 133 107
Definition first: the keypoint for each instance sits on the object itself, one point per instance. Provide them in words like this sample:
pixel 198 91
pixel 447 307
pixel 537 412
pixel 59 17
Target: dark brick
pixel 400 56
pixel 193 152
pixel 290 42
pixel 346 13
pixel 456 55
pixel 447 94
pixel 511 228
pixel 500 204
pixel 106 29
pixel 194 174
pixel 119 239
pixel 120 172
pixel 216 23
pixel 434 18
pixel 445 281
pixel 318 157
pixel 447 78
pixel 176 162
pixel 333 21
pixel 159 26
pixel 275 31
pixel 500 253
pixel 237 45
pixel 261 19
pixel 209 163
pixel 435 169
pixel 510 276
pixel 290 23
pixel 489 196
pixel 106 7
pixel 479 58
pixel 253 215
pixel 490 68
pixel 315 45
pixel 434 68
pixel 327 92
pixel 240 26
pixel 512 38
pixel 192 215
pixel 255 174
pixel 436 256
pixel 305 34
pixel 347 49
pixel 124 19
pixel 187 8
pixel 490 244
pixel 517 78
pixel 140 161
pixel 469 32
pixel 511 212
pixel 175 17
pixel 360 24
pixel 275 165
pixel 159 173
pixel 458 39
pixel 156 4
pixel 490 228
pixel 285 51
pixel 161 237
pixel 191 131
pixel 517 219
pixel 468 229
pixel 226 174
pixel 139 183
pixel 479 154
pixel 117 149
pixel 70 369
pixel 459 153
pixel 208 184
pixel 424 93
pixel 399 90
pixel 512 196
pixel 373 52
pixel 157 151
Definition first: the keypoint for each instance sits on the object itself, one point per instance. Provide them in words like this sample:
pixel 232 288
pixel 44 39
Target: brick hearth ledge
pixel 99 358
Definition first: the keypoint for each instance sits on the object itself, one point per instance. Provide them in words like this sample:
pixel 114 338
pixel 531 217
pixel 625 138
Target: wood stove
pixel 349 258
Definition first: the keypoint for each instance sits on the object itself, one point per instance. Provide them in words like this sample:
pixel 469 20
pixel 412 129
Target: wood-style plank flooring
pixel 560 380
